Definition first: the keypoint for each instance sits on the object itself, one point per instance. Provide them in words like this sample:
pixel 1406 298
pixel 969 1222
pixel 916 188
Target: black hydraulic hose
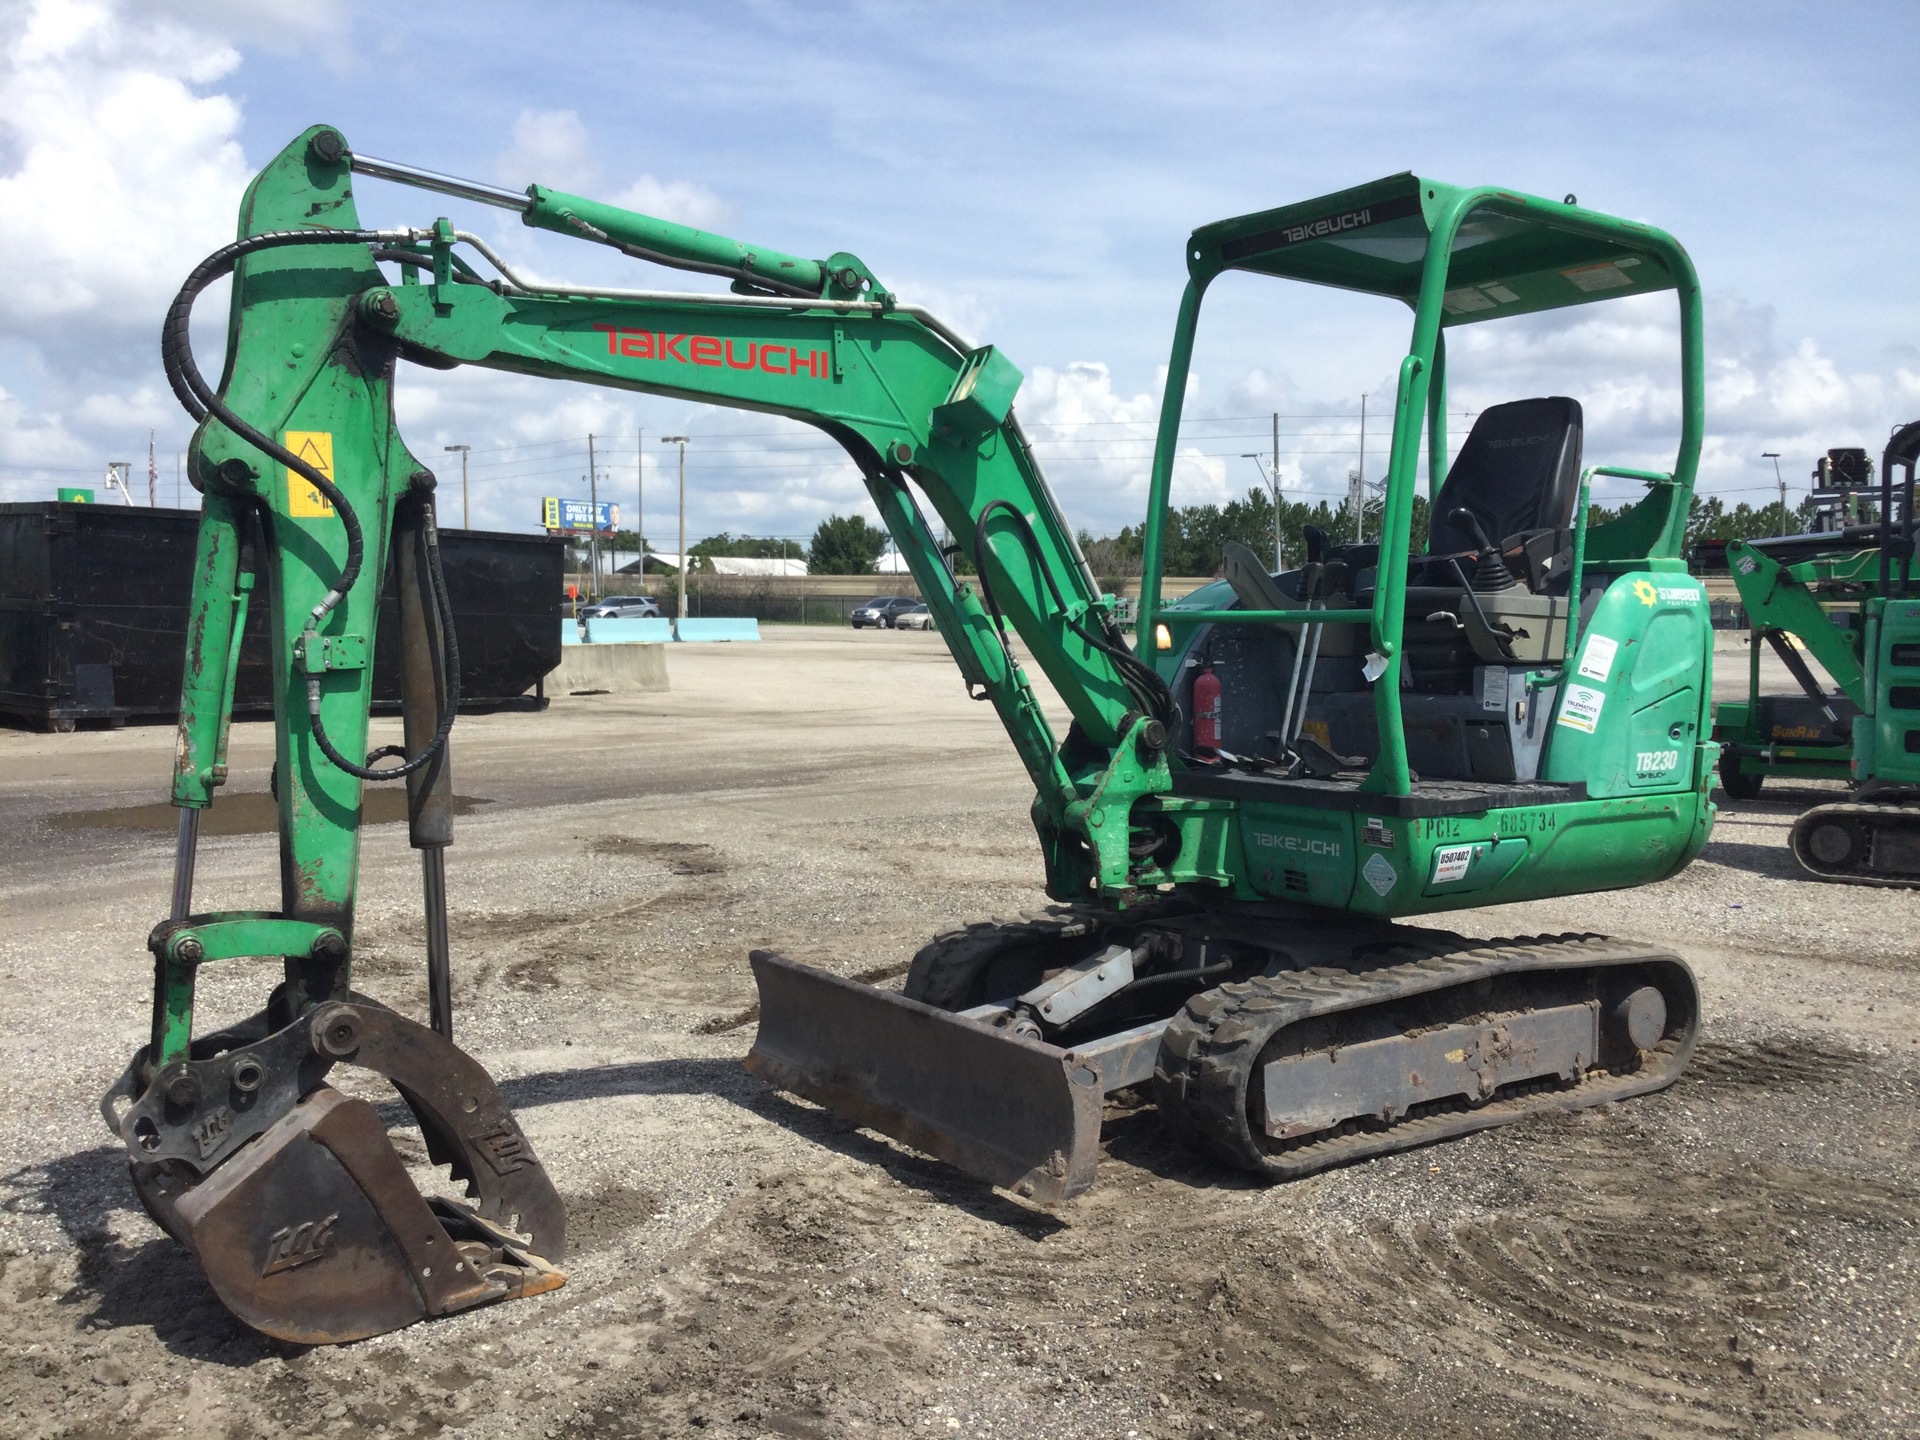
pixel 450 646
pixel 1143 682
pixel 200 400
pixel 183 374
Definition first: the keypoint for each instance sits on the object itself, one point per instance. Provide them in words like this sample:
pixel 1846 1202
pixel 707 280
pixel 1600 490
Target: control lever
pixel 1491 574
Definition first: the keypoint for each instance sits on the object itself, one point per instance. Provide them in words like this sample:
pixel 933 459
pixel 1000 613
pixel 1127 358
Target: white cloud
pixel 122 176
pixel 553 148
pixel 117 174
pixel 550 147
pixel 677 200
pixel 1621 361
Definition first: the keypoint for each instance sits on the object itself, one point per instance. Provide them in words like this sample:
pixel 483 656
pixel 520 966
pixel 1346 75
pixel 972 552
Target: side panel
pixel 1422 867
pixel 1895 756
pixel 1634 707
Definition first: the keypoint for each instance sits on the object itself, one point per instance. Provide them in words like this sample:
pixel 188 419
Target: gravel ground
pixel 1735 1256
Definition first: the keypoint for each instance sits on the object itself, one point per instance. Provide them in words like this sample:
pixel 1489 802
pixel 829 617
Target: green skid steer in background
pixel 1245 800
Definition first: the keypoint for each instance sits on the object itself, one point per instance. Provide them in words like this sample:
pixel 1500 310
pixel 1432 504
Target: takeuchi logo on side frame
pixel 761 355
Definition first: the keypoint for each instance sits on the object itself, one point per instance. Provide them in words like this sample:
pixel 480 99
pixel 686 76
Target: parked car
pixel 881 610
pixel 918 618
pixel 622 607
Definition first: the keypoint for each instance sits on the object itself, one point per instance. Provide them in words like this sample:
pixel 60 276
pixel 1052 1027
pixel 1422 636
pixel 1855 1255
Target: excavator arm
pixel 286 1190
pixel 905 397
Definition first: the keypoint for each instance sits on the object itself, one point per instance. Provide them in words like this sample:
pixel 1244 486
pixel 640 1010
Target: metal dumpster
pixel 93 605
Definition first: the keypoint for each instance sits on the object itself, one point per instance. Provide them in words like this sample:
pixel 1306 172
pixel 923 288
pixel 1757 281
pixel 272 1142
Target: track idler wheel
pixel 297 1207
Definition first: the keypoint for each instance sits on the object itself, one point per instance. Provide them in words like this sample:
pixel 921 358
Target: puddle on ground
pixel 257 813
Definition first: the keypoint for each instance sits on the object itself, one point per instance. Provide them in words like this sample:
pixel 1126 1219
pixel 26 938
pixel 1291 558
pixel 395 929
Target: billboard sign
pixel 578 516
pixel 74 496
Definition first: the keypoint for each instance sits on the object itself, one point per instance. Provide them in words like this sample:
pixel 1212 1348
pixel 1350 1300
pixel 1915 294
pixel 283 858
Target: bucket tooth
pixel 1017 1113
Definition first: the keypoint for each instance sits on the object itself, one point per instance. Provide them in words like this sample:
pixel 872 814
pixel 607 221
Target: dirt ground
pixel 1736 1256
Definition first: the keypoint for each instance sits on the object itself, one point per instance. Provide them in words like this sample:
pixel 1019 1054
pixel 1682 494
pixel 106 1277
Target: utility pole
pixel 1779 479
pixel 1272 478
pixel 1360 481
pixel 1279 556
pixel 466 522
pixel 593 533
pixel 681 441
pixel 640 506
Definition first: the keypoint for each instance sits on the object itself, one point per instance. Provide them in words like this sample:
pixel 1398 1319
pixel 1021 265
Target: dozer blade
pixel 1016 1113
pixel 295 1203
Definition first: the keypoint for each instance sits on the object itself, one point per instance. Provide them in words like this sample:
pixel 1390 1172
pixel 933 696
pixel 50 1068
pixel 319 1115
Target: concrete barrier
pixel 618 669
pixel 629 632
pixel 569 632
pixel 706 630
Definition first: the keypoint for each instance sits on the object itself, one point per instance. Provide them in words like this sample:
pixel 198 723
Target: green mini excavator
pixel 1847 597
pixel 1245 800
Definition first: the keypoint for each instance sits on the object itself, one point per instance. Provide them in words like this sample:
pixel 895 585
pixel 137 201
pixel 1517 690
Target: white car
pixel 918 618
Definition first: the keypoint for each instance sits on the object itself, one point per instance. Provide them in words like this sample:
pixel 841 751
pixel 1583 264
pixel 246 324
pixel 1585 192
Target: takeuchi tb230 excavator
pixel 1517 712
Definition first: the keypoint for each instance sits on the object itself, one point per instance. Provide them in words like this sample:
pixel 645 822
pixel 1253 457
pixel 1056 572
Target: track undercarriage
pixel 1868 841
pixel 1281 1044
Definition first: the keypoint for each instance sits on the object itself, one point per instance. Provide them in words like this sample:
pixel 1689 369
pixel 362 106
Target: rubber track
pixel 1907 816
pixel 1211 1047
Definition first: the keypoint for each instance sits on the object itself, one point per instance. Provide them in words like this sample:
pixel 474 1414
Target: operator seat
pixel 1519 471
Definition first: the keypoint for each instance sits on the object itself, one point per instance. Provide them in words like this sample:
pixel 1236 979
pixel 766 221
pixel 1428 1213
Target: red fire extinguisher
pixel 1206 712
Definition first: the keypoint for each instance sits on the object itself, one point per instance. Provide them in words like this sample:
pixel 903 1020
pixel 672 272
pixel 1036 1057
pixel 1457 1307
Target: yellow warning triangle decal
pixel 310 452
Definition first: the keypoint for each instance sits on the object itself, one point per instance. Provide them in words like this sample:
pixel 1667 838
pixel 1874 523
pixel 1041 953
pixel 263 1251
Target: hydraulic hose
pixel 200 400
pixel 1143 682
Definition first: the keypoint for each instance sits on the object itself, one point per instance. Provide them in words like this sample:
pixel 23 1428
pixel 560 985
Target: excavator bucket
pixel 317 1235
pixel 301 1213
pixel 1018 1113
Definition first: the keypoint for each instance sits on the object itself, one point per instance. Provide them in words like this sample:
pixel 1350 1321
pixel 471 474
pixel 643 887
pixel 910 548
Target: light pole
pixel 466 522
pixel 1780 480
pixel 1279 558
pixel 593 503
pixel 681 441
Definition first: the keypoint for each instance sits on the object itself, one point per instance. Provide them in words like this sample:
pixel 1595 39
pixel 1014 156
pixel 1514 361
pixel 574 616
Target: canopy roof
pixel 1513 253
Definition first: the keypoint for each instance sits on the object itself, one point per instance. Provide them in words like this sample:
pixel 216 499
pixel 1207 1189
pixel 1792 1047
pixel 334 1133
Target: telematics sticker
pixel 1581 709
pixel 1596 657
pixel 1380 874
pixel 1450 863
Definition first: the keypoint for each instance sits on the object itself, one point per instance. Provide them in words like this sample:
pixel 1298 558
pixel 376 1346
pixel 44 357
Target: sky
pixel 1029 173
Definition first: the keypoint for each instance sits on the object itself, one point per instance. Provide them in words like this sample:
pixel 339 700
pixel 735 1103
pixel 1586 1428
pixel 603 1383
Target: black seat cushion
pixel 1519 470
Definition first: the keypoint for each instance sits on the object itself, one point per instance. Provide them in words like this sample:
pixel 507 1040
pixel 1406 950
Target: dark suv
pixel 882 610
pixel 622 607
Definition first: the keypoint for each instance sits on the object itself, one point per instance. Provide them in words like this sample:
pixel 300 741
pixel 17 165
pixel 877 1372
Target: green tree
pixel 745 547
pixel 846 545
